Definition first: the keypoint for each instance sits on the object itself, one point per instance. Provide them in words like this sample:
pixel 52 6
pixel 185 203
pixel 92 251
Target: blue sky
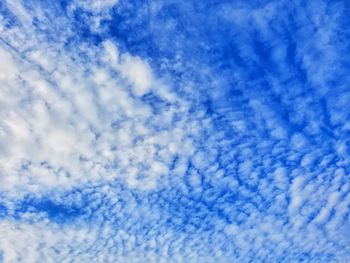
pixel 174 131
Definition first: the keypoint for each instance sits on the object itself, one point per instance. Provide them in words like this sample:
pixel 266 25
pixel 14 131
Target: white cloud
pixel 134 69
pixel 138 73
pixel 80 118
pixel 102 160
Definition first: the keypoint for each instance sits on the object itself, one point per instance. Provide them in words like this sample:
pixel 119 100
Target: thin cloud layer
pixel 174 131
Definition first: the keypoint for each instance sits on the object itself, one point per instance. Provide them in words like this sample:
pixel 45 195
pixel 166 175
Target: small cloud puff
pixel 134 69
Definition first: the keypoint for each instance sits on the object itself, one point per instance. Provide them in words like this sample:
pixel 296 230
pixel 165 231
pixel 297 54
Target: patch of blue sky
pixel 174 131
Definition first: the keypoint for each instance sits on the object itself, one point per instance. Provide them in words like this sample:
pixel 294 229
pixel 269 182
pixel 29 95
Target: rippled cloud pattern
pixel 174 131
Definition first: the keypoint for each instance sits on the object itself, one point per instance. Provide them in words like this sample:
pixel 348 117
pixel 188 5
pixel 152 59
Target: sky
pixel 174 131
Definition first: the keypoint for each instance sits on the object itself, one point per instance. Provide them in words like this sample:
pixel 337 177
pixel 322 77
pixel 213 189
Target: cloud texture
pixel 174 131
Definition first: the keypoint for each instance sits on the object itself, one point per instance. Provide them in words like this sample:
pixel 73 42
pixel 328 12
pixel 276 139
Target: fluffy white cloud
pixel 134 69
pixel 67 121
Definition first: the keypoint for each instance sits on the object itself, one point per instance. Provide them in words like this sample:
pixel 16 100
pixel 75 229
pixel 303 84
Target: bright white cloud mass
pixel 174 131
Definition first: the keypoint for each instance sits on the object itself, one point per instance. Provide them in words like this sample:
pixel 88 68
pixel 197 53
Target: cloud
pixel 174 132
pixel 136 71
pixel 67 118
